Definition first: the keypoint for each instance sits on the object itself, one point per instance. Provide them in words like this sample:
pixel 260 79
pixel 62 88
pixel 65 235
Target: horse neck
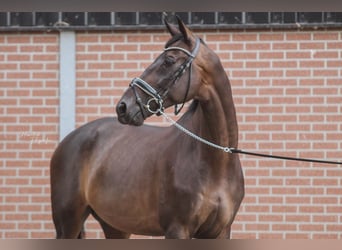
pixel 217 113
pixel 215 121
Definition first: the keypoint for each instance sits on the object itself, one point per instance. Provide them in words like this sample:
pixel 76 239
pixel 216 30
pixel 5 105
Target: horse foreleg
pixel 69 229
pixel 69 221
pixel 112 233
pixel 225 234
pixel 109 231
pixel 176 231
pixel 81 235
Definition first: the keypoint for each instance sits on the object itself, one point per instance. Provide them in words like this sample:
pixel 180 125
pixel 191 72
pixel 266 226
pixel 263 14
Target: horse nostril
pixel 121 108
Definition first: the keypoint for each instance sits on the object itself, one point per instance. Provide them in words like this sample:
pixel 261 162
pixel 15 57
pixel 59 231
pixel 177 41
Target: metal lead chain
pixel 196 137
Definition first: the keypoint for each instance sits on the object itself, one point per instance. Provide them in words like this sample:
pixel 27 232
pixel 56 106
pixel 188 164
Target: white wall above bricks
pixel 287 87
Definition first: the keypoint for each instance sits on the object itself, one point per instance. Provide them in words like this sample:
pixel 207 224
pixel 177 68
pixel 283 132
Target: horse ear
pixel 185 31
pixel 171 28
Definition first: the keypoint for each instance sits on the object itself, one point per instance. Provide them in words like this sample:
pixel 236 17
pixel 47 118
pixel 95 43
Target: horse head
pixel 173 78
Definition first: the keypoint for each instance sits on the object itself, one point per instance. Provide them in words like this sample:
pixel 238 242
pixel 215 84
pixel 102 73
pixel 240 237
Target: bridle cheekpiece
pixel 157 97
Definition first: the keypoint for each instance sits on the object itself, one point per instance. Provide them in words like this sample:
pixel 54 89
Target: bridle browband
pixel 158 98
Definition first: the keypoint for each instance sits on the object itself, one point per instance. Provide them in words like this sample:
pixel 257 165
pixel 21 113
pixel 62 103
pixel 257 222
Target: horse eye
pixel 169 61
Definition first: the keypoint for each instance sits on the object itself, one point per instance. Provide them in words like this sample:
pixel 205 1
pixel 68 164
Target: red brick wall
pixel 28 131
pixel 287 88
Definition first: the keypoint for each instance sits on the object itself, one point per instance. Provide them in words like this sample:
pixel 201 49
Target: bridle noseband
pixel 149 90
pixel 158 98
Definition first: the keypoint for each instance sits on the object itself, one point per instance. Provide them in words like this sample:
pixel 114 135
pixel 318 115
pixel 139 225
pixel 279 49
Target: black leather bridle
pixel 158 98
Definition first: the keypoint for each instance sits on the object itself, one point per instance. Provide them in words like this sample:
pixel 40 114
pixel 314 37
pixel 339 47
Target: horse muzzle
pixel 130 115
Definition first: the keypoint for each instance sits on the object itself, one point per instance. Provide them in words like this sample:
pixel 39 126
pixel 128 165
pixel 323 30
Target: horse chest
pixel 217 218
pixel 205 209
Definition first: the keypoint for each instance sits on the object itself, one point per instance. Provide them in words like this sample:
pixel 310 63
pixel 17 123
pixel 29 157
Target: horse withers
pixel 149 180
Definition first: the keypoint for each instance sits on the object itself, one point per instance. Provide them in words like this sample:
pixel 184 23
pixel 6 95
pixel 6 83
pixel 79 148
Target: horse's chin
pixel 136 120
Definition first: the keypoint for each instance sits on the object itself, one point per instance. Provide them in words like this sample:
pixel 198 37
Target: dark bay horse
pixel 150 180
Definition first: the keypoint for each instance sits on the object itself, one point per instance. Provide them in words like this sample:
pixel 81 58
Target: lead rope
pixel 239 151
